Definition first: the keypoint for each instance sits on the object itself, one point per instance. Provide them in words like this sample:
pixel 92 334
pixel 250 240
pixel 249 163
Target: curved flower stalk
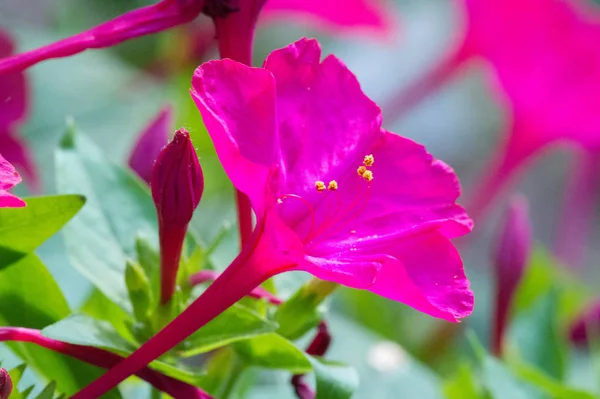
pixel 102 358
pixel 8 179
pixel 545 70
pixel 150 142
pixel 14 104
pixel 335 195
pixel 143 21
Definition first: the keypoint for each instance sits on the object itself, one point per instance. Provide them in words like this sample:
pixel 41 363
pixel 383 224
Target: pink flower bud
pixel 512 255
pixel 177 185
pixel 588 323
pixel 5 384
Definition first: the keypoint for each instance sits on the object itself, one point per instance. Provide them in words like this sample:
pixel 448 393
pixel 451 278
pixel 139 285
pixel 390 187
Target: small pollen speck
pixel 368 175
pixel 369 159
pixel 332 186
pixel 352 231
pixel 320 186
pixel 361 170
pixel 279 201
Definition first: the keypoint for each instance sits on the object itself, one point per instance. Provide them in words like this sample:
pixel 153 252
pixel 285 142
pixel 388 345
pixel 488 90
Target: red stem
pixel 171 243
pixel 102 358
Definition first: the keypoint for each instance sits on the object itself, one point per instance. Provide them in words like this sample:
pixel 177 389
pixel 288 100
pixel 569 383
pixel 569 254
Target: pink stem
pixel 102 358
pixel 577 214
pixel 422 87
pixel 257 293
pixel 171 243
pixel 143 21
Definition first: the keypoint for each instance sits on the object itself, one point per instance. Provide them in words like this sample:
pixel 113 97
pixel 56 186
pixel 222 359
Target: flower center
pixel 339 210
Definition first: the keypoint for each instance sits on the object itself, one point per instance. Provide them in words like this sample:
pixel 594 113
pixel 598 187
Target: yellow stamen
pixel 368 175
pixel 332 185
pixel 369 159
pixel 320 186
pixel 361 170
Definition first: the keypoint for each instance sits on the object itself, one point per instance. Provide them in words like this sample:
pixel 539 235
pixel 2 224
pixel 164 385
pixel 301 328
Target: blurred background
pixel 113 93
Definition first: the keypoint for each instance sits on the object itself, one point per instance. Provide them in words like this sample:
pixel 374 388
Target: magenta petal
pixel 17 153
pixel 136 23
pixel 8 179
pixel 150 142
pixel 326 123
pixel 426 274
pixel 335 16
pixel 237 104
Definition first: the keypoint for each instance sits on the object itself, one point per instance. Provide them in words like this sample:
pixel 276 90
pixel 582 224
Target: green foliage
pixel 118 210
pixel 23 229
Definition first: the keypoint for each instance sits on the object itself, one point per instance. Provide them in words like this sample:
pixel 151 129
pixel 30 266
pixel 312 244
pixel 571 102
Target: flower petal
pixel 237 104
pixel 325 121
pixel 17 153
pixel 427 275
pixel 334 16
pixel 13 89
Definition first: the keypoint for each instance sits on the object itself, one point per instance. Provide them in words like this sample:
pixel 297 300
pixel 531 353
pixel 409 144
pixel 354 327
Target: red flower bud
pixel 5 384
pixel 512 255
pixel 177 185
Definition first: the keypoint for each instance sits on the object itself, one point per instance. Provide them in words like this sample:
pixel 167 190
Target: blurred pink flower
pixel 177 185
pixel 14 104
pixel 8 179
pixel 545 71
pixel 150 142
pixel 335 195
pixel 511 256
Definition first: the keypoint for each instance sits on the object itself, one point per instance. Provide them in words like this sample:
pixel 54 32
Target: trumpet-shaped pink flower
pixel 334 194
pixel 13 111
pixel 8 179
pixel 546 68
pixel 151 141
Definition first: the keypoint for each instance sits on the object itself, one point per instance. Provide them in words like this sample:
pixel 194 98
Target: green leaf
pixel 29 297
pixel 299 314
pixel 235 324
pixel 462 385
pixel 334 380
pixel 23 229
pixel 48 391
pixel 534 337
pixel 140 293
pixel 100 307
pixel 274 352
pixel 84 330
pixel 554 388
pixel 118 209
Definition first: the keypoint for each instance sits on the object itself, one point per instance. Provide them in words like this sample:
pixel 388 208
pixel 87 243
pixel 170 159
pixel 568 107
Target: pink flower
pixel 177 184
pixel 8 179
pixel 13 111
pixel 511 257
pixel 545 70
pixel 334 194
pixel 150 142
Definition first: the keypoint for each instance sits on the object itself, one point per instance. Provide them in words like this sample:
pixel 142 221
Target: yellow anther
pixel 332 185
pixel 368 175
pixel 320 186
pixel 361 170
pixel 369 159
